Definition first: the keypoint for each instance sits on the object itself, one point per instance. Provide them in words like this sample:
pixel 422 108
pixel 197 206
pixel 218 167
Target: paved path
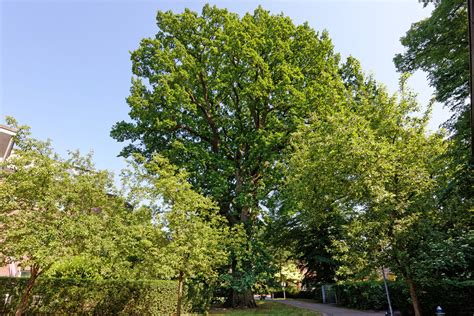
pixel 329 309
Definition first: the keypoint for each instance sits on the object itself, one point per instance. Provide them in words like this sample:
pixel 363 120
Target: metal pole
pixel 470 6
pixel 387 292
pixel 324 293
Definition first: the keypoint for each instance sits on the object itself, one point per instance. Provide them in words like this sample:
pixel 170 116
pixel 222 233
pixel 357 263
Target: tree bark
pixel 237 299
pixel 22 307
pixel 240 299
pixel 414 296
pixel 180 293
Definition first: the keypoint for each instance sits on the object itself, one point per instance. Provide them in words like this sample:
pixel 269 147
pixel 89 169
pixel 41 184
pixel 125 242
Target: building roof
pixel 6 141
pixel 8 129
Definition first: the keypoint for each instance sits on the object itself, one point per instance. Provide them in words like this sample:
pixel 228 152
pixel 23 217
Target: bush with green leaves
pixel 455 297
pixel 96 297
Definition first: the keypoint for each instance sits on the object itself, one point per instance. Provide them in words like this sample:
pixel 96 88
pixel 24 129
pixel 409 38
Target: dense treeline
pixel 372 188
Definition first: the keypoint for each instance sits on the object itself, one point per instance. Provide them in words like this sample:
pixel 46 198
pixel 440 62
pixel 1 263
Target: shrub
pixel 200 295
pixel 454 296
pixel 96 297
pixel 362 295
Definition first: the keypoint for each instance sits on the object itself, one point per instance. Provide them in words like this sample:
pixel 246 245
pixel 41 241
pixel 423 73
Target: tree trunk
pixel 180 293
pixel 414 296
pixel 240 299
pixel 237 299
pixel 243 299
pixel 281 278
pixel 22 307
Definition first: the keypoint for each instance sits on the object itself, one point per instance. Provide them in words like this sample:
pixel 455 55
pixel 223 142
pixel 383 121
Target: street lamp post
pixel 387 292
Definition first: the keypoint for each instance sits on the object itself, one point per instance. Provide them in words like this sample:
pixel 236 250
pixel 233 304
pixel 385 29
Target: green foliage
pixel 439 45
pixel 200 294
pixel 195 232
pixel 290 273
pixel 252 265
pixel 194 229
pixel 371 175
pixel 454 296
pixel 219 95
pixel 80 267
pixel 308 241
pixel 372 171
pixel 62 217
pixel 323 186
pixel 370 295
pixel 93 297
pixel 231 116
pixel 50 207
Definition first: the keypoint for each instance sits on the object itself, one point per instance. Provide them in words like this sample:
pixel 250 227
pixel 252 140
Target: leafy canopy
pixel 439 45
pixel 195 234
pixel 66 219
pixel 219 95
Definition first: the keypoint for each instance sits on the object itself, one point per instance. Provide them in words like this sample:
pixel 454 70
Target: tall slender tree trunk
pixel 22 307
pixel 281 278
pixel 180 293
pixel 414 296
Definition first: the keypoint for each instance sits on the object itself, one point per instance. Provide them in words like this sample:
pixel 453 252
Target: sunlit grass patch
pixel 266 308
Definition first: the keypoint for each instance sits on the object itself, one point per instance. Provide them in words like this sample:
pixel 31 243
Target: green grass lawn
pixel 266 308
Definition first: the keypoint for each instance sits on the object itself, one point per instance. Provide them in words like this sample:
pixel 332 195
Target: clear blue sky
pixel 65 67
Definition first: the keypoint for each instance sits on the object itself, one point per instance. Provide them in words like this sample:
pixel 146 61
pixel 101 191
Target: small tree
pixel 194 229
pixel 51 209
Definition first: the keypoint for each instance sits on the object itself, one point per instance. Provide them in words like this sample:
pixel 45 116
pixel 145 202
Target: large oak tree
pixel 219 95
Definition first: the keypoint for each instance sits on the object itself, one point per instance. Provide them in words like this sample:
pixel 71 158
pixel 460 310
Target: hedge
pixel 370 295
pixel 91 297
pixel 456 297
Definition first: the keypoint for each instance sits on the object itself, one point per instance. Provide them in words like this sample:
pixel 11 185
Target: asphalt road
pixel 329 309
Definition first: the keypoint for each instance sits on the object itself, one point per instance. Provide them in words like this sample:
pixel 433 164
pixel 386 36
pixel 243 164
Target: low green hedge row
pixel 455 297
pixel 91 297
